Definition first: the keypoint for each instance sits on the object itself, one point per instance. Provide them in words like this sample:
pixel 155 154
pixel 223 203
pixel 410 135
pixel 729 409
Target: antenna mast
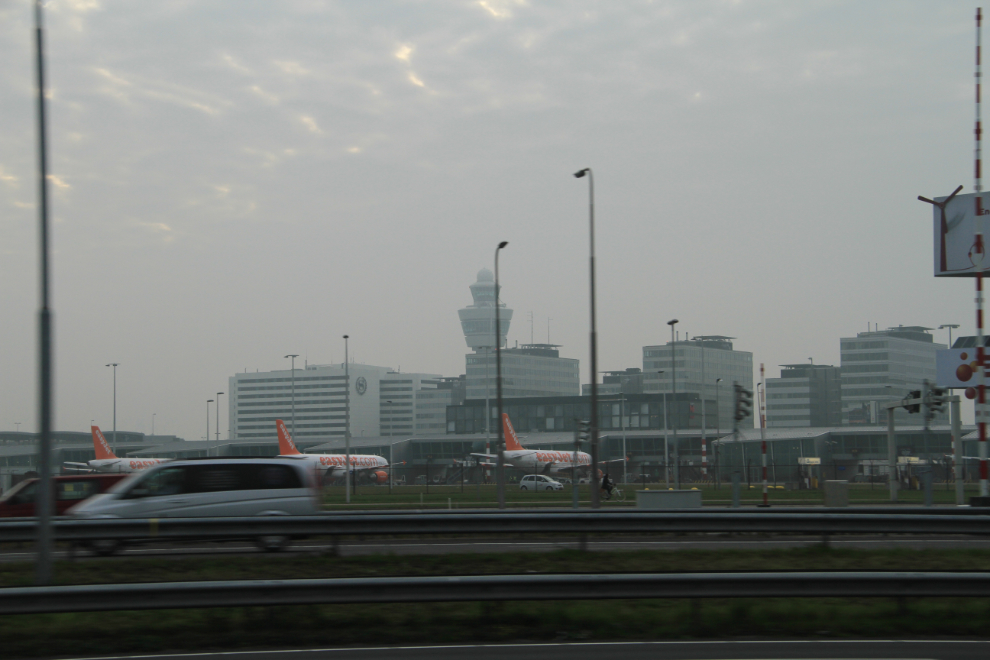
pixel 980 253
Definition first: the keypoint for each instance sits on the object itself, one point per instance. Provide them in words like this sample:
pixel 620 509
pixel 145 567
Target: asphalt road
pixel 700 650
pixel 406 546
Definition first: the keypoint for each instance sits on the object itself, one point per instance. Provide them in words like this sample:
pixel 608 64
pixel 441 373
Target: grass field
pixel 474 496
pixel 234 628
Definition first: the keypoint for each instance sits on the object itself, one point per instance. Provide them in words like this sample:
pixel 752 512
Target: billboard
pixel 954 231
pixel 956 367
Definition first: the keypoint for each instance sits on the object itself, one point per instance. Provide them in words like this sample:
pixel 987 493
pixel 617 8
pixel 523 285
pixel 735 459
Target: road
pixel 700 650
pixel 406 546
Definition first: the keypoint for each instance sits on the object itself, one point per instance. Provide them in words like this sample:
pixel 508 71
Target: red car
pixel 69 491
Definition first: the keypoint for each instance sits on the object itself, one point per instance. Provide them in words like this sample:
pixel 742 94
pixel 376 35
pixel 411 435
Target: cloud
pixel 271 98
pixel 159 229
pixel 292 68
pixel 122 89
pixel 235 65
pixel 416 81
pixel 500 8
pixel 404 53
pixel 310 123
pixel 9 179
pixel 59 183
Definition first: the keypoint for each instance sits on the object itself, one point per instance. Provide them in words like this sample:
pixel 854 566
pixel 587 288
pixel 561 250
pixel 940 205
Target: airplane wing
pixel 77 467
pixel 485 455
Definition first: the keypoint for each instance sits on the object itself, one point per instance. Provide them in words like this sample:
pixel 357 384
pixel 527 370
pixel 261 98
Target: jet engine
pixel 379 477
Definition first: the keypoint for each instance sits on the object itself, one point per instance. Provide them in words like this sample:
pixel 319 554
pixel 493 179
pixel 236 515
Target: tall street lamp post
pixel 114 365
pixel 153 423
pixel 293 357
pixel 666 449
pixel 593 422
pixel 391 465
pixel 673 389
pixel 208 402
pixel 347 422
pixel 500 470
pixel 950 326
pixel 219 394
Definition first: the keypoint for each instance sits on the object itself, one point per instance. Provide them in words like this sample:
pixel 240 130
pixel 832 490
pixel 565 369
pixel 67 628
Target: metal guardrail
pixel 171 595
pixel 502 522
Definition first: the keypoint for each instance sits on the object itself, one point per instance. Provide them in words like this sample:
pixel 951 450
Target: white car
pixel 539 482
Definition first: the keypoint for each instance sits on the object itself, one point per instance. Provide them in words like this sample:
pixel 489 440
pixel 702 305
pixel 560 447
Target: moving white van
pixel 210 487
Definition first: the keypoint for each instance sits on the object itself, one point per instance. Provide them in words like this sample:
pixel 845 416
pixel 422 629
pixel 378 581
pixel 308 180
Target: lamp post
pixel 18 425
pixel 500 470
pixel 950 326
pixel 153 423
pixel 718 418
pixel 673 389
pixel 622 421
pixel 218 422
pixel 293 357
pixel 347 423
pixel 666 451
pixel 593 422
pixel 391 465
pixel 114 365
pixel 208 402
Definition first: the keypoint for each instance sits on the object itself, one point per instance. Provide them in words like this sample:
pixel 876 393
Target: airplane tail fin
pixel 511 439
pixel 103 450
pixel 285 444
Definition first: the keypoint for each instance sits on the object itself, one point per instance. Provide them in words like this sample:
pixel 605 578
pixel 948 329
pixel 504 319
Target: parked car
pixel 539 482
pixel 564 481
pixel 210 487
pixel 69 490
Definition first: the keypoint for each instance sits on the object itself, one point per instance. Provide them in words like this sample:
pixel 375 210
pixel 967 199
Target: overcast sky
pixel 234 181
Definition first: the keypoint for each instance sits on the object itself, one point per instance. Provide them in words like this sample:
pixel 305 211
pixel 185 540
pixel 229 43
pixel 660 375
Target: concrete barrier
pixel 668 499
pixel 836 493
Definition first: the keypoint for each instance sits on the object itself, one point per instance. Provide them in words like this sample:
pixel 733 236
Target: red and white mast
pixel 979 253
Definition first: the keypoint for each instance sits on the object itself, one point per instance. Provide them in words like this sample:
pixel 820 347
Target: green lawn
pixel 337 625
pixel 474 496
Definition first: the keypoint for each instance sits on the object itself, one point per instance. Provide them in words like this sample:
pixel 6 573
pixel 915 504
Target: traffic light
pixel 914 407
pixel 744 402
pixel 936 399
pixel 583 431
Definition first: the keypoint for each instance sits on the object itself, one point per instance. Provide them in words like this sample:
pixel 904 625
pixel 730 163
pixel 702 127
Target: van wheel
pixel 549 488
pixel 105 548
pixel 273 543
pixel 523 488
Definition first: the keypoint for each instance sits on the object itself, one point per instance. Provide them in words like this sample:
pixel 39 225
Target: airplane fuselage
pixel 547 460
pixel 124 464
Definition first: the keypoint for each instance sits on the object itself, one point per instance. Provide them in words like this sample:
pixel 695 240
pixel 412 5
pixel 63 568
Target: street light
pixel 718 418
pixel 114 365
pixel 391 465
pixel 673 389
pixel 347 423
pixel 218 422
pixel 153 423
pixel 293 356
pixel 500 470
pixel 208 402
pixel 718 434
pixel 18 425
pixel 593 422
pixel 666 449
pixel 950 326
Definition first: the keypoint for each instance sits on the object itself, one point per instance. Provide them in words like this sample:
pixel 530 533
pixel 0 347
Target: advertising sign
pixel 954 231
pixel 956 367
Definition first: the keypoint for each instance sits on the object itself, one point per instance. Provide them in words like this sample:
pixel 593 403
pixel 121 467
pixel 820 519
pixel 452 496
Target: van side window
pixel 161 483
pixel 74 490
pixel 213 478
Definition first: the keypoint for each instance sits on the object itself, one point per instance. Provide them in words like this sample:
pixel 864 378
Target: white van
pixel 210 487
pixel 539 482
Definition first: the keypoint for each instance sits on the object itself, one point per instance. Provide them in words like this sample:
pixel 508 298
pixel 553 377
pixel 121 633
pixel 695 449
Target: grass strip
pixel 337 625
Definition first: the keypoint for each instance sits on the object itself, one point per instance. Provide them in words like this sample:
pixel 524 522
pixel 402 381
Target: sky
pixel 235 181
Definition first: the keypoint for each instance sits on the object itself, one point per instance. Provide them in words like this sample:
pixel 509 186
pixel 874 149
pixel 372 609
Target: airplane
pixel 107 461
pixel 546 461
pixel 333 462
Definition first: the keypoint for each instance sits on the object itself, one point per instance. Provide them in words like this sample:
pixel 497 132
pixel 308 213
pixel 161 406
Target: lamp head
pixel 209 400
pixel 672 322
pixel 219 393
pixel 581 173
pixel 346 336
pixel 502 244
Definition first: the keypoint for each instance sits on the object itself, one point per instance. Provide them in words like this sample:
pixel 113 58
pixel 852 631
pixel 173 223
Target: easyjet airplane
pixel 333 463
pixel 107 461
pixel 544 461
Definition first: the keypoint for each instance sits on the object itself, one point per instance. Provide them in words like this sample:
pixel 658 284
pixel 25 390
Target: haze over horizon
pixel 232 182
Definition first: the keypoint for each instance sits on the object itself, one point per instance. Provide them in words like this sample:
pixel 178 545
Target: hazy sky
pixel 234 181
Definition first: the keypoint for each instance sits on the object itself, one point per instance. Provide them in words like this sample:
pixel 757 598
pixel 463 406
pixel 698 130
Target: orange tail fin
pixel 286 446
pixel 511 439
pixel 103 450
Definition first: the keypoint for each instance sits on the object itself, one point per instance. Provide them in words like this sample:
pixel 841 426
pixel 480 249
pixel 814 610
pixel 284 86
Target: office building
pixel 706 366
pixel 883 366
pixel 805 395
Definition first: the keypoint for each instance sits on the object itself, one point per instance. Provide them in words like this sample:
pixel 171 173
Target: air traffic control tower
pixel 478 320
